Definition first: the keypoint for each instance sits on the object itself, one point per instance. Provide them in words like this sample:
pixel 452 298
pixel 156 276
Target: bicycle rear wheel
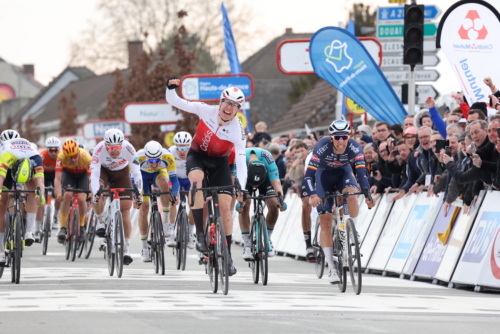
pixel 222 256
pixel 18 247
pixel 4 241
pixel 354 257
pixel 319 265
pixel 46 229
pixel 341 271
pixel 119 244
pixel 109 250
pixel 90 235
pixel 212 262
pixel 68 241
pixel 74 234
pixel 264 248
pixel 160 244
pixel 254 246
pixel 184 239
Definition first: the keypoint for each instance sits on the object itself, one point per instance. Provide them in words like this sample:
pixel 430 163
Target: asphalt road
pixel 59 296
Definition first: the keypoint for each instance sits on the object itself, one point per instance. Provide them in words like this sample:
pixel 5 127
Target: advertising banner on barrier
pixel 456 241
pixel 282 221
pixel 434 250
pixel 478 249
pixel 370 238
pixel 467 35
pixel 295 214
pixel 339 58
pixel 419 244
pixel 393 227
pixel 417 218
pixel 365 216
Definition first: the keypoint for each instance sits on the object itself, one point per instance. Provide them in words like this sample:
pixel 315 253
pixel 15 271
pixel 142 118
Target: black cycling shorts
pixel 217 169
pixel 8 182
pixel 76 181
pixel 266 188
pixel 303 191
pixel 49 178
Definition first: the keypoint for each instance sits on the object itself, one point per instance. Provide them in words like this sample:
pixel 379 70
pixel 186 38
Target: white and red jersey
pixel 210 138
pixel 127 157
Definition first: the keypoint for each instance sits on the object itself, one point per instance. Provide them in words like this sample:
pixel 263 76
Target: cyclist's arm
pixel 136 173
pixel 241 162
pixel 95 174
pixel 191 107
pixel 172 173
pixel 7 159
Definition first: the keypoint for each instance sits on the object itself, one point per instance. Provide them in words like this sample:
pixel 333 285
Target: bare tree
pixel 102 46
pixel 68 114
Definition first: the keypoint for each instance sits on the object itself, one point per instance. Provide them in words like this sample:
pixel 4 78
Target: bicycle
pixel 217 263
pixel 72 241
pixel 89 231
pixel 347 253
pixel 157 237
pixel 47 220
pixel 182 237
pixel 115 238
pixel 14 235
pixel 260 243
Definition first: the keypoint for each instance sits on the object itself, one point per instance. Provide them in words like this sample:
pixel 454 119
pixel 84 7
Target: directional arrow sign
pixel 396 46
pixel 397 61
pixel 397 30
pixel 420 75
pixel 398 13
pixel 423 92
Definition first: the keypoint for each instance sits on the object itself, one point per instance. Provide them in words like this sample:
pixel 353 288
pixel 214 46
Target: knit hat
pixel 480 106
pixel 367 139
pixel 366 129
pixel 462 137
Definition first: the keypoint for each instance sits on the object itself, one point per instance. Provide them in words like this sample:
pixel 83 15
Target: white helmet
pixel 182 138
pixel 153 150
pixel 233 94
pixel 35 146
pixel 113 137
pixel 339 127
pixel 9 134
pixel 52 142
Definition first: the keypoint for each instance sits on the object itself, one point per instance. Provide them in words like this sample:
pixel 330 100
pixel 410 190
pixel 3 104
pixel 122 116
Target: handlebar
pixel 117 190
pixel 236 185
pixel 74 190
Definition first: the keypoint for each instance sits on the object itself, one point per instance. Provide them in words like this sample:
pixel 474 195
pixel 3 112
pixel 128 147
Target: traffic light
pixel 413 44
pixel 404 94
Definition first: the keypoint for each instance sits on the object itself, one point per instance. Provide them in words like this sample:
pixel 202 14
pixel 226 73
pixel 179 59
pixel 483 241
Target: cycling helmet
pixel 70 148
pixel 114 137
pixel 52 142
pixel 257 173
pixel 9 134
pixel 22 170
pixel 91 152
pixel 339 127
pixel 81 146
pixel 35 146
pixel 233 94
pixel 153 150
pixel 182 138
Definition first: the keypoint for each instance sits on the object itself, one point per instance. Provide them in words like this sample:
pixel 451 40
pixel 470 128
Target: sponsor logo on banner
pixel 336 55
pixel 473 27
pixel 477 247
pixel 495 256
pixel 410 232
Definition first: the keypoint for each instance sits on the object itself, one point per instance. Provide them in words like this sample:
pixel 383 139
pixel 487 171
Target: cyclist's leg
pixel 161 181
pixel 349 184
pixel 196 173
pixel 66 181
pixel 122 180
pixel 244 218
pixel 143 217
pixel 82 182
pixel 306 223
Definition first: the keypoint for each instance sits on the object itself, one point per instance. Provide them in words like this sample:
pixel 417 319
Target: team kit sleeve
pixel 312 167
pixel 95 167
pixel 172 172
pixel 133 160
pixel 241 159
pixel 87 160
pixel 356 153
pixel 272 169
pixel 191 107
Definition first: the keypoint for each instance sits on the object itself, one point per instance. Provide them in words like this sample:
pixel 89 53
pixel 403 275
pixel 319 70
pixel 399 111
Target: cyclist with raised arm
pixel 27 169
pixel 218 130
pixel 157 166
pixel 330 166
pixel 262 175
pixel 182 141
pixel 49 160
pixel 72 171
pixel 111 160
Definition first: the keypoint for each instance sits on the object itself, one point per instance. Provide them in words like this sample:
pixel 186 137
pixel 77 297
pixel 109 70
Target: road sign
pixel 398 13
pixel 397 30
pixel 353 107
pixel 208 87
pixel 150 112
pixel 396 46
pixel 423 92
pixel 397 61
pixel 292 55
pixel 420 75
pixel 96 129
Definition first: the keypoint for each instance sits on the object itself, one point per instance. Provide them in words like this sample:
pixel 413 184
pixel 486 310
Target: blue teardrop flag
pixel 340 59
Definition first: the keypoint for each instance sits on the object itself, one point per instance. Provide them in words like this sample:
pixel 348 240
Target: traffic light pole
pixel 411 91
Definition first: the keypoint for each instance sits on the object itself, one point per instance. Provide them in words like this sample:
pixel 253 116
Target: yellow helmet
pixel 22 171
pixel 70 148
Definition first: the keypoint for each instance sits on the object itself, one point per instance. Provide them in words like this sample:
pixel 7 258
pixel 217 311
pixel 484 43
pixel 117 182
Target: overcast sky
pixel 40 31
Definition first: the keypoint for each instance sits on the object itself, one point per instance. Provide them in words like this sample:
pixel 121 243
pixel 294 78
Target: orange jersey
pixel 81 166
pixel 49 165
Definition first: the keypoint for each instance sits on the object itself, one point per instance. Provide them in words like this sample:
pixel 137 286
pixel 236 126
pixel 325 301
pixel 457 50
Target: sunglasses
pixel 340 137
pixel 233 105
pixel 53 150
pixel 154 161
pixel 114 147
pixel 182 148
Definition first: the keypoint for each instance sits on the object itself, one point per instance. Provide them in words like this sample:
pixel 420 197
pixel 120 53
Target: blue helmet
pixel 339 127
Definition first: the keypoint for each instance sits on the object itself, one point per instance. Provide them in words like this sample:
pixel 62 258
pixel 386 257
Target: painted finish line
pixel 186 300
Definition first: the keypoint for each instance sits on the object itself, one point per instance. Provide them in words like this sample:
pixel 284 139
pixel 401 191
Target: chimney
pixel 288 31
pixel 29 69
pixel 135 51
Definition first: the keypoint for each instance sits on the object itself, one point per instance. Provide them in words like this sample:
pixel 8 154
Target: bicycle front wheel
pixel 318 251
pixel 46 229
pixel 119 243
pixel 18 247
pixel 160 244
pixel 354 258
pixel 341 271
pixel 109 250
pixel 184 236
pixel 254 247
pixel 74 234
pixel 264 247
pixel 222 256
pixel 212 262
pixel 4 241
pixel 90 235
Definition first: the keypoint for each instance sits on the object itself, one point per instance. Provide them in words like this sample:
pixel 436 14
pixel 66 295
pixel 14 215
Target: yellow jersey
pixel 83 164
